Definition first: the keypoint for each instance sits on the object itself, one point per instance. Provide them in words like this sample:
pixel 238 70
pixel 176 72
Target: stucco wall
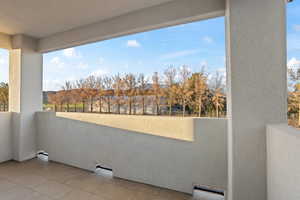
pixel 182 128
pixel 152 159
pixel 283 163
pixel 5 137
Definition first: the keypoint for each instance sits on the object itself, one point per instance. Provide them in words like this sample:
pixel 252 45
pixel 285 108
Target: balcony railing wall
pixel 5 137
pixel 165 162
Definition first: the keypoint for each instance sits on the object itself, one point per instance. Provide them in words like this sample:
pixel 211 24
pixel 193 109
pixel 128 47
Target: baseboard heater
pixel 103 171
pixel 207 193
pixel 105 168
pixel 42 155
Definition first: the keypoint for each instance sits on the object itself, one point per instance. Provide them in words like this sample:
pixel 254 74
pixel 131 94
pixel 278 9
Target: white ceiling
pixel 41 18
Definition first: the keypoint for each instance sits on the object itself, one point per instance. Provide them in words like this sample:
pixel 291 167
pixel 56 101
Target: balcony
pixel 215 154
pixel 85 143
pixel 35 179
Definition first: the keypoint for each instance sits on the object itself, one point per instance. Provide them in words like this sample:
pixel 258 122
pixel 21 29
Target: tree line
pixel 3 96
pixel 177 91
pixel 294 96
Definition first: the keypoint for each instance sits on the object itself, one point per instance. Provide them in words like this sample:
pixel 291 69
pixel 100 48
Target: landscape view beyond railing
pixel 176 92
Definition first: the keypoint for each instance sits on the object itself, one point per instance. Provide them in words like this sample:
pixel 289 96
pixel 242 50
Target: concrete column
pixel 25 94
pixel 257 86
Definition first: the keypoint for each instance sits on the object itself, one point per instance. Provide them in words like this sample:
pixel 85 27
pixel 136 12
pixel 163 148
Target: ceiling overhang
pixel 153 17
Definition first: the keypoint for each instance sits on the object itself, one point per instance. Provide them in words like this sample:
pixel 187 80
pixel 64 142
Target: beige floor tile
pixel 36 180
pixel 6 185
pixel 114 192
pixel 81 195
pixel 17 193
pixel 88 183
pixel 53 189
pixel 29 180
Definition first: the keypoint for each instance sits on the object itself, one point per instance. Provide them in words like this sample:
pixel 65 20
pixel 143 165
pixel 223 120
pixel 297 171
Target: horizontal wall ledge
pixel 180 128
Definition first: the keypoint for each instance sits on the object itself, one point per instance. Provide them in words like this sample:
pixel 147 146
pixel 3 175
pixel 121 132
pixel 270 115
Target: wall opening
pixel 4 71
pixel 293 62
pixel 173 71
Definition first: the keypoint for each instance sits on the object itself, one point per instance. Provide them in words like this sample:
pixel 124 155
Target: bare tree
pixel 200 88
pixel 156 91
pixel 118 84
pixel 108 93
pixel 130 84
pixel 217 87
pixel 143 90
pixel 67 94
pixel 217 81
pixel 170 91
pixel 101 91
pixel 218 100
pixel 184 91
pixel 91 90
pixel 82 92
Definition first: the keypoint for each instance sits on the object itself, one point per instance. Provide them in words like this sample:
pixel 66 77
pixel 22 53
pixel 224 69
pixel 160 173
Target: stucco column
pixel 257 90
pixel 25 94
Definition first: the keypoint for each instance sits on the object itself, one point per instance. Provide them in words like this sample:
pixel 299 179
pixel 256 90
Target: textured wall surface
pixel 283 150
pixel 5 137
pixel 152 159
pixel 181 128
pixel 257 90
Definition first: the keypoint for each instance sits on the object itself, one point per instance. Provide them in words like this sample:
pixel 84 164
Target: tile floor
pixel 37 180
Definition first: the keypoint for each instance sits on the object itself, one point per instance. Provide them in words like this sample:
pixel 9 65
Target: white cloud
pixel 71 53
pixel 56 62
pixel 52 85
pixel 99 72
pixel 82 66
pixel 208 39
pixel 101 60
pixel 133 43
pixel 178 54
pixel 293 62
pixel 296 27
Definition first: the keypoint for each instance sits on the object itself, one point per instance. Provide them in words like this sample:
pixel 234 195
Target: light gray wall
pixel 283 163
pixel 25 94
pixel 257 90
pixel 5 137
pixel 155 160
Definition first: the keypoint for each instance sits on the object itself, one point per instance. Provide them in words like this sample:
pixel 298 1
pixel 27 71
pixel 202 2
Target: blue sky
pixel 195 44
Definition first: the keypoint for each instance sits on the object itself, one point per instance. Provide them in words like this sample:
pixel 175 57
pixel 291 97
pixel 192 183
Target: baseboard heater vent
pixel 208 193
pixel 103 171
pixel 42 155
